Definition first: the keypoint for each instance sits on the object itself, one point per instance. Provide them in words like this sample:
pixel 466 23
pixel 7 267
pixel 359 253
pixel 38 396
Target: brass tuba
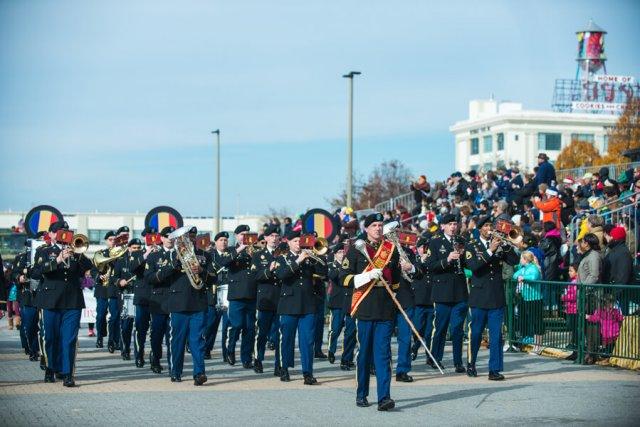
pixel 186 255
pixel 104 264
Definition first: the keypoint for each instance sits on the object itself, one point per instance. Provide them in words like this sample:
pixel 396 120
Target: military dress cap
pixel 193 230
pixel 123 229
pixel 271 229
pixel 448 218
pixel 167 230
pixel 149 230
pixel 292 234
pixel 221 234
pixel 239 229
pixel 422 241
pixel 58 225
pixel 483 220
pixel 371 218
pixel 109 234
pixel 135 242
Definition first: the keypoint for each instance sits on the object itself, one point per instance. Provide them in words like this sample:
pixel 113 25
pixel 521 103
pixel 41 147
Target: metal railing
pixel 405 200
pixel 594 321
pixel 614 170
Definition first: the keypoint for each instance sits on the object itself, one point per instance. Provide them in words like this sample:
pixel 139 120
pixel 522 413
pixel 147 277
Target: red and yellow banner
pixel 380 260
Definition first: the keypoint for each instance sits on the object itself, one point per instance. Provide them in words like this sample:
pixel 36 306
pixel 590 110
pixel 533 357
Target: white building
pixel 503 134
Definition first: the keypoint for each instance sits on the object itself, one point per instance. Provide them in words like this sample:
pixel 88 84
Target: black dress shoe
pixel 386 404
pixel 207 355
pixel 118 347
pixel 225 358
pixel 156 368
pixel 271 346
pixel 188 348
pixel 257 367
pixel 284 375
pixel 231 359
pixel 404 378
pixel 126 356
pixel 111 347
pixel 48 376
pixel 26 351
pixel 351 365
pixel 140 363
pixel 332 358
pixel 200 379
pixel 309 379
pixel 495 376
pixel 176 379
pixel 68 381
pixel 59 376
pixel 363 403
pixel 247 365
pixel 435 365
pixel 345 366
pixel 34 358
pixel 99 343
pixel 320 355
pixel 414 354
pixel 43 363
pixel 276 371
pixel 471 371
pixel 460 369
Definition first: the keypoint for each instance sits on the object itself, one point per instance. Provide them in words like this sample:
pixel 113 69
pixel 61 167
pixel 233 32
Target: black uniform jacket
pixel 60 288
pixel 338 293
pixel 220 263
pixel 126 267
pixel 487 284
pixel 22 266
pixel 449 281
pixel 266 280
pixel 241 283
pixel 422 285
pixel 377 305
pixel 298 294
pixel 405 293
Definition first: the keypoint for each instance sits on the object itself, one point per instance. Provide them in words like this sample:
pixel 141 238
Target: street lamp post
pixel 217 222
pixel 350 76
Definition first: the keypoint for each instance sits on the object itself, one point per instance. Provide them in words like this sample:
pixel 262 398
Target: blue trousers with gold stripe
pixel 335 328
pixel 187 325
pixel 374 338
pixel 304 325
pixel 493 319
pixel 448 316
pixel 403 364
pixel 142 321
pixel 423 318
pixel 61 338
pixel 114 321
pixel 159 330
pixel 30 325
pixel 101 316
pixel 264 322
pixel 242 317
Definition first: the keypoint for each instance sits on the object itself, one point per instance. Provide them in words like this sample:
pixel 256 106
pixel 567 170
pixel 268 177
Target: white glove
pixel 362 279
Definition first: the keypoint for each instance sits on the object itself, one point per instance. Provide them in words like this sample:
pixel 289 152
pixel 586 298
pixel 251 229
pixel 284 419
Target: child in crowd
pixel 609 318
pixel 531 307
pixel 570 301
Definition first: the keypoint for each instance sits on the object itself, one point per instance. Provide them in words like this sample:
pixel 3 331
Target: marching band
pixel 177 290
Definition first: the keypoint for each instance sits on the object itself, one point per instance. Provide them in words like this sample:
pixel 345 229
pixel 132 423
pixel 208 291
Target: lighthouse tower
pixel 591 58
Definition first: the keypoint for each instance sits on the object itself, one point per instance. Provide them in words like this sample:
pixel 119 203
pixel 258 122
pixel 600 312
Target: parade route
pixel 110 391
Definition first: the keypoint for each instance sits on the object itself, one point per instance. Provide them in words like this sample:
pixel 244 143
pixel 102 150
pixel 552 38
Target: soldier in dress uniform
pixel 242 301
pixel 113 295
pixel 188 308
pixel 100 292
pixel 217 310
pixel 21 275
pixel 37 276
pixel 449 292
pixel 141 296
pixel 423 311
pixel 127 270
pixel 62 302
pixel 158 302
pixel 373 308
pixel 485 257
pixel 263 264
pixel 337 295
pixel 297 306
pixel 406 298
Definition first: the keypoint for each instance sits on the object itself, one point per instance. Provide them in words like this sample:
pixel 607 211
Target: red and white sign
pixel 605 78
pixel 89 312
pixel 599 106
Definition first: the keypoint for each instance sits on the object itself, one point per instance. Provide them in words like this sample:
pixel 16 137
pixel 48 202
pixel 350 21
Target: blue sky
pixel 109 105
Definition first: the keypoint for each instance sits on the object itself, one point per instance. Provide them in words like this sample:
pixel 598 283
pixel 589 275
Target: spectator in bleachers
pixel 617 267
pixel 570 300
pixel 527 272
pixel 546 173
pixel 549 204
pixel 594 225
pixel 590 267
pixel 609 318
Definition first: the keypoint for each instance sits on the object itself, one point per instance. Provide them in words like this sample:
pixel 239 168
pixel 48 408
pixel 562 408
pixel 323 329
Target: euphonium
pixel 104 264
pixel 187 255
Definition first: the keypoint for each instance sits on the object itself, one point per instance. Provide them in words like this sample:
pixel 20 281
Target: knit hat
pixel 551 192
pixel 618 233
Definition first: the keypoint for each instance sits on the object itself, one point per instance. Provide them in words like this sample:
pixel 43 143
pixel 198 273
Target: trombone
pixel 314 247
pixel 509 234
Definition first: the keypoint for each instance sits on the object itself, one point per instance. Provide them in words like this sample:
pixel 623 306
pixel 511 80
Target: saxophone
pixel 187 255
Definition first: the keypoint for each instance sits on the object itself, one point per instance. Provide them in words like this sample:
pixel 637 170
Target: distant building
pixel 503 134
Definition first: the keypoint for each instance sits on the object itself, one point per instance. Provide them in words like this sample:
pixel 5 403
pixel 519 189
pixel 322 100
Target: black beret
pixel 167 230
pixel 337 247
pixel 448 218
pixel 109 234
pixel 271 229
pixel 123 229
pixel 293 234
pixel 58 225
pixel 149 230
pixel 423 240
pixel 221 234
pixel 40 234
pixel 371 218
pixel 193 230
pixel 135 242
pixel 239 229
pixel 483 220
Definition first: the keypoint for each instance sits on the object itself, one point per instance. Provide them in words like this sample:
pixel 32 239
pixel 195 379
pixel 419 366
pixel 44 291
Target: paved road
pixel 537 391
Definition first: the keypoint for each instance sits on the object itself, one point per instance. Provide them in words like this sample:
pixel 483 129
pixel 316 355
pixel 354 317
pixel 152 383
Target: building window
pixel 487 166
pixel 588 137
pixel 605 143
pixel 549 141
pixel 487 144
pixel 500 164
pixel 475 146
pixel 474 167
pixel 96 236
pixel 500 141
pixel 515 138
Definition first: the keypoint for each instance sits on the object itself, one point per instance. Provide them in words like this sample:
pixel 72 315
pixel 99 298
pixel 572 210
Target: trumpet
pixel 78 244
pixel 509 234
pixel 314 246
